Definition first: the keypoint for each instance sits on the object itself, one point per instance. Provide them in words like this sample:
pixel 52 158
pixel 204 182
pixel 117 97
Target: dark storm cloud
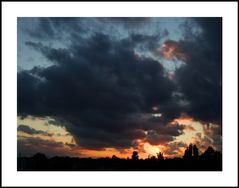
pixel 102 91
pixel 27 90
pixel 98 87
pixel 31 131
pixel 200 80
pixel 162 134
pixel 110 70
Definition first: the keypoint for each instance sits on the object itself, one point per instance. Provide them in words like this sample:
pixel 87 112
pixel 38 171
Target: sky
pixel 97 87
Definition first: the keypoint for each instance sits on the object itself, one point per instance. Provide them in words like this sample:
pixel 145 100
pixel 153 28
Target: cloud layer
pixel 105 91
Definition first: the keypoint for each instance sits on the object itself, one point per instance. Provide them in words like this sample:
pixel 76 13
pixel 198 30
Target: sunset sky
pixel 97 87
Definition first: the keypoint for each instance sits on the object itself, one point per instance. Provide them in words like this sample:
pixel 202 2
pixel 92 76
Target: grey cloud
pixel 31 131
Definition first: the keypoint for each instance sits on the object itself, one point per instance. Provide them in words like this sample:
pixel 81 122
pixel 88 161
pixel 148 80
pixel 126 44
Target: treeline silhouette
pixel 210 160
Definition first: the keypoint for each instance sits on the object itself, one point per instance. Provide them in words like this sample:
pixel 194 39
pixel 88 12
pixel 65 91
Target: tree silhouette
pixel 209 160
pixel 190 151
pixel 135 155
pixel 209 153
pixel 186 154
pixel 160 156
pixel 195 151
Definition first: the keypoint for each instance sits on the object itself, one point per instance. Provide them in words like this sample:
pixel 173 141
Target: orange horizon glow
pixel 69 146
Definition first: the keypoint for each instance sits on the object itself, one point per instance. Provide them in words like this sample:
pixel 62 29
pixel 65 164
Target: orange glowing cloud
pixel 183 119
pixel 170 50
pixel 189 128
pixel 61 142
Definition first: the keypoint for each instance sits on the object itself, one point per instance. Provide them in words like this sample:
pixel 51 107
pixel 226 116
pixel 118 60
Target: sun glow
pixel 151 149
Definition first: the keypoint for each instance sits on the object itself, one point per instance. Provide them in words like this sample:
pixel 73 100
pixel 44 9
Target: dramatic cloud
pixel 200 80
pixel 98 87
pixel 110 90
